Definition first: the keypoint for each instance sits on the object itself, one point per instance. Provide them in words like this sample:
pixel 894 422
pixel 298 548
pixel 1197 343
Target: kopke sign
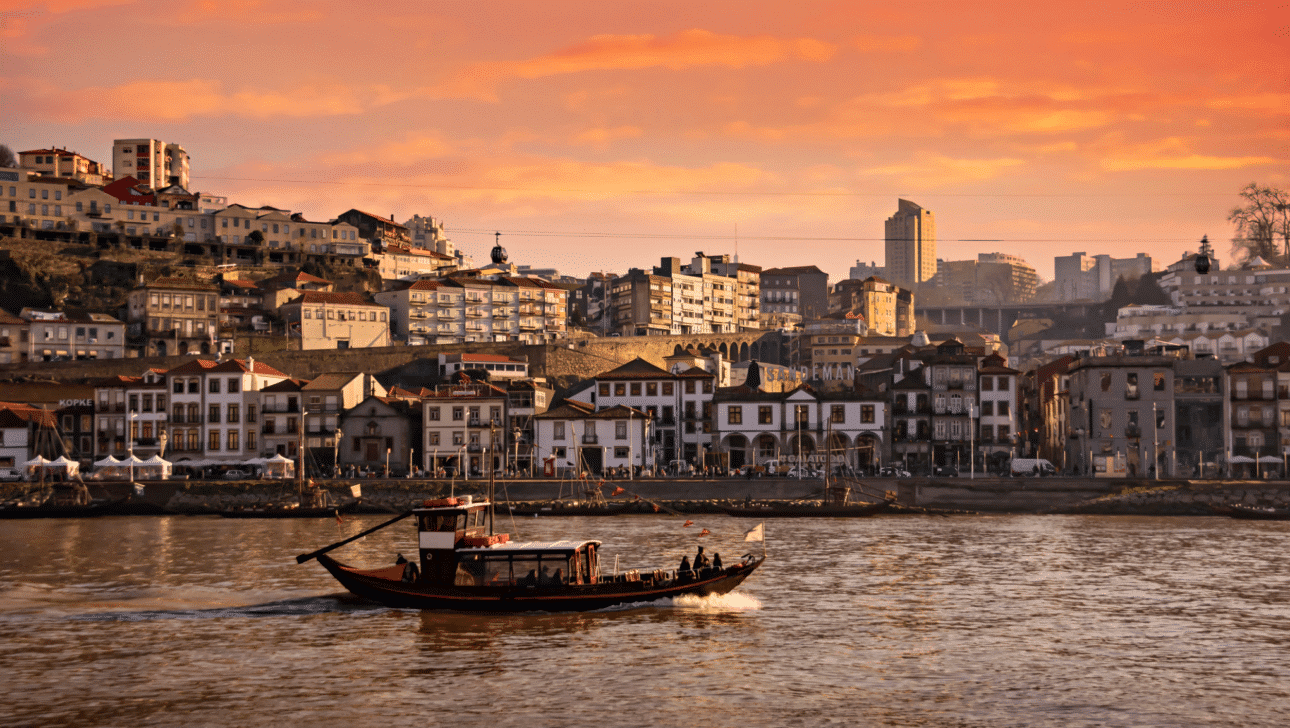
pixel 75 403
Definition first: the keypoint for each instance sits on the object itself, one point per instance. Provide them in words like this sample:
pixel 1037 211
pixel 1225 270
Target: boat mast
pixel 492 473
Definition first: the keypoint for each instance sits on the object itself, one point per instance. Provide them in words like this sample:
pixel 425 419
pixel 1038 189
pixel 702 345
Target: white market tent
pixel 71 467
pixel 279 467
pixel 154 468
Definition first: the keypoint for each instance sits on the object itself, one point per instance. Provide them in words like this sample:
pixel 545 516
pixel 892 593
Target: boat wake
pixel 303 606
pixel 711 604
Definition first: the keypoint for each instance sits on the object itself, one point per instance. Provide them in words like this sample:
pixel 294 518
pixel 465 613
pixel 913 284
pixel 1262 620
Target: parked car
pixel 945 471
pixel 236 475
pixel 891 471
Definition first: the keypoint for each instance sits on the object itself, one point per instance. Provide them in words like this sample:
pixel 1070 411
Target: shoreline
pixel 909 495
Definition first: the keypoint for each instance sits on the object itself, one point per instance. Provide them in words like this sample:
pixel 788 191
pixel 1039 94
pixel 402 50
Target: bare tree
pixel 7 158
pixel 1263 216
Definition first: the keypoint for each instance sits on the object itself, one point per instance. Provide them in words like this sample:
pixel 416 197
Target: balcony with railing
pixel 272 408
pixel 590 439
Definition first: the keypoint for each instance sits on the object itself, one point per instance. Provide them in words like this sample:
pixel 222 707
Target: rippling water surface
pixel 894 621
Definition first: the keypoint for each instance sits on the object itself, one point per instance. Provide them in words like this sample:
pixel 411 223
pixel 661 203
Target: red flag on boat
pixel 687 524
pixel 339 520
pixel 704 532
pixel 638 498
pixel 617 491
pixel 653 504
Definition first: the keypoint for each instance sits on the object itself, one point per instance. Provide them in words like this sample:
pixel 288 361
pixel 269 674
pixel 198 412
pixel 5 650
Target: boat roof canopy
pixel 459 508
pixel 529 547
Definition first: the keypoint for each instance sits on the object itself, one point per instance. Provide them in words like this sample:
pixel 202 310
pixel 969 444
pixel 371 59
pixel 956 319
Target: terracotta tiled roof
pixel 637 368
pixel 792 270
pixel 187 284
pixel 696 373
pixel 202 366
pixel 332 380
pixel 286 385
pixel 339 298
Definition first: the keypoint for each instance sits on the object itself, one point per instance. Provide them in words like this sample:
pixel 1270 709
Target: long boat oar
pixel 302 558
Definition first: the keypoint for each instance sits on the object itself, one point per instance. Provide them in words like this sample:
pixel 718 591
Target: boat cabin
pixel 456 549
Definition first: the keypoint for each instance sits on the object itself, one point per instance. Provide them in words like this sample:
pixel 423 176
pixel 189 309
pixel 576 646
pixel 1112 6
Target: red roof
pixel 342 298
pixel 126 189
pixel 202 366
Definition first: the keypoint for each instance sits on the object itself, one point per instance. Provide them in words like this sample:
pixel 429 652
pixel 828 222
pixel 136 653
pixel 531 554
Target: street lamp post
pixel 971 411
pixel 130 443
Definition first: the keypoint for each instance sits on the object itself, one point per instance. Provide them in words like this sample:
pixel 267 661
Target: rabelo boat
pixel 462 567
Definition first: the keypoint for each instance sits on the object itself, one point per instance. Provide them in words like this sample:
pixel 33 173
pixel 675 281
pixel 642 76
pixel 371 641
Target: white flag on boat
pixel 356 490
pixel 756 534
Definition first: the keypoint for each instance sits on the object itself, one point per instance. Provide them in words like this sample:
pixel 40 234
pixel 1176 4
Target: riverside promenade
pixel 696 495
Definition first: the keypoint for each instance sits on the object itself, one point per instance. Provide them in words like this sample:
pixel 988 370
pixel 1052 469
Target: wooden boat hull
pixel 1253 514
pixel 859 510
pixel 385 587
pixel 558 510
pixel 43 511
pixel 279 512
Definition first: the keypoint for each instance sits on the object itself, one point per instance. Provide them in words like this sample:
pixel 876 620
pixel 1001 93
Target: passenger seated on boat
pixel 700 560
pixel 530 579
pixel 716 561
pixel 685 566
pixel 559 576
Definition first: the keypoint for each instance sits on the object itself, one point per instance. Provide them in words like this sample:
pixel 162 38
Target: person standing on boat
pixel 700 560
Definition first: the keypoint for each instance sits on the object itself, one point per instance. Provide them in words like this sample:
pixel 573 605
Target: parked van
pixel 1022 467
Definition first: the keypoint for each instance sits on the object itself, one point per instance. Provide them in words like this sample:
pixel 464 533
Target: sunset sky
pixel 603 135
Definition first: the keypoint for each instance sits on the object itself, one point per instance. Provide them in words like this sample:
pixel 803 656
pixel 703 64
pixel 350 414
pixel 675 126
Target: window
pixel 194 386
pixel 213 385
pixel 250 440
pixel 866 413
pixel 620 430
pixel 987 384
pixel 234 385
pixel 458 414
pixel 212 441
pixel 557 430
pixel 234 413
pixel 604 389
pixel 689 386
pixel 765 415
pixel 1003 409
pixel 214 413
pixel 620 389
pixel 1003 384
pixel 837 414
pixel 801 414
pixel 622 453
pixel 707 386
pixel 434 413
pixel 1104 420
pixel 668 389
pixel 735 415
pixel 651 389
pixel 1106 381
pixel 458 438
pixel 987 409
pixel 987 432
pixel 636 389
pixel 232 439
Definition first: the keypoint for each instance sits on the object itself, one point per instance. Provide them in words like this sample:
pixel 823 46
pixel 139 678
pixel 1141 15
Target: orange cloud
pixel 886 44
pixel 1272 103
pixel 688 49
pixel 183 100
pixel 1174 153
pixel 601 138
pixel 934 170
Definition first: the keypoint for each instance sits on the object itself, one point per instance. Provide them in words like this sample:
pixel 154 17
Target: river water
pixel 889 621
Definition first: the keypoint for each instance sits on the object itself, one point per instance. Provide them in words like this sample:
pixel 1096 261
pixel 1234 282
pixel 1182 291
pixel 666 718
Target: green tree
pixel 7 158
pixel 1264 215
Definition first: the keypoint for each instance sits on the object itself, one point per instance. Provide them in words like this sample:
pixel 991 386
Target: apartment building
pixel 1081 277
pixel 325 400
pixel 463 309
pixel 173 315
pixel 910 244
pixel 997 414
pixel 642 386
pixel 801 425
pixel 62 163
pixel 1122 411
pixel 151 161
pixel 574 438
pixel 59 335
pixel 345 320
pixel 797 292
pixel 131 415
pixel 215 408
pixel 282 414
pixel 465 428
